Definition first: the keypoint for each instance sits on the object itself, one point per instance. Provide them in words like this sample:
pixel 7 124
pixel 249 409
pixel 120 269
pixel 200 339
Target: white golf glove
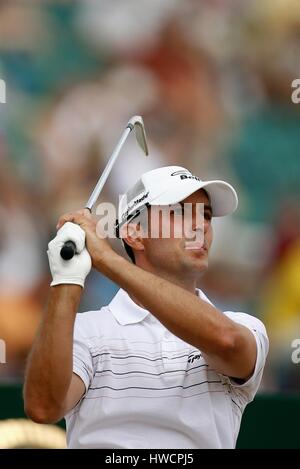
pixel 76 269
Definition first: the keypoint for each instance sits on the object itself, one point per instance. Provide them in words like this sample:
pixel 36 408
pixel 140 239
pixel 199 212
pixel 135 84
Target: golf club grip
pixel 68 250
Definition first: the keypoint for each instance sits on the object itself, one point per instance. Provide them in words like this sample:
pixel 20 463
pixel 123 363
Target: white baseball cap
pixel 170 185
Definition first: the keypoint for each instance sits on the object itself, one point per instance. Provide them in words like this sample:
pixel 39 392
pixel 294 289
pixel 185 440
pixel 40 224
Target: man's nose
pixel 199 222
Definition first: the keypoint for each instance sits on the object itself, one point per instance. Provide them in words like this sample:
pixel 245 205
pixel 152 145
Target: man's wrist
pixel 66 293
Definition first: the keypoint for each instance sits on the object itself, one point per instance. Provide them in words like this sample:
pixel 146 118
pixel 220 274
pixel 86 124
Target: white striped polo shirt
pixel 147 388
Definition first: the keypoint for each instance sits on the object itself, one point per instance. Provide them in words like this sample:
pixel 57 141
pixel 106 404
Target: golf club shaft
pixel 99 186
pixel 69 249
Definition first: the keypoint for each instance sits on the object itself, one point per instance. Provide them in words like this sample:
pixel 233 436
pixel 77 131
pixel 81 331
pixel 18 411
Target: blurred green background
pixel 212 80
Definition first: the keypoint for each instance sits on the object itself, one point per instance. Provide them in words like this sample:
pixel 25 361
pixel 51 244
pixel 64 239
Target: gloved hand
pixel 76 269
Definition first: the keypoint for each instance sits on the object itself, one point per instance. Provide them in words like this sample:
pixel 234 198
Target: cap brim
pixel 223 197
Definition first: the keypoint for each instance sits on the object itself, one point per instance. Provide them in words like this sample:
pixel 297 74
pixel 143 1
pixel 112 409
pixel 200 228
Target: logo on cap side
pixel 133 204
pixel 185 174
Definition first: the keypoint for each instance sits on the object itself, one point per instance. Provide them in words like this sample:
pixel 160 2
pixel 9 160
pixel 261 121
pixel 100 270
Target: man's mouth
pixel 195 246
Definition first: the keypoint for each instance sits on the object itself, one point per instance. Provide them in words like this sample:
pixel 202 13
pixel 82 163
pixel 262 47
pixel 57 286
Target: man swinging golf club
pixel 160 366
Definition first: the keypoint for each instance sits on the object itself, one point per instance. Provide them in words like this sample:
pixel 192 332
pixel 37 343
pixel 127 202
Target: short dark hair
pixel 129 251
pixel 128 248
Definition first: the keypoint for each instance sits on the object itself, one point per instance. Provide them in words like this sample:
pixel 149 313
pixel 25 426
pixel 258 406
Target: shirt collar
pixel 203 296
pixel 126 311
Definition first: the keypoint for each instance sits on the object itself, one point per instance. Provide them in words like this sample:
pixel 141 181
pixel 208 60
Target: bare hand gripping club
pixel 136 122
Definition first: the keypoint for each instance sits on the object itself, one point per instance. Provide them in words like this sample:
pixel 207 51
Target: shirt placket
pixel 170 352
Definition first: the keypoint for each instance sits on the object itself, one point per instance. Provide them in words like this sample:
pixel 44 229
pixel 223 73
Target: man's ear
pixel 132 234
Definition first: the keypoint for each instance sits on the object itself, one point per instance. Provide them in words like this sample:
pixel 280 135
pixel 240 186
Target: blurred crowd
pixel 212 80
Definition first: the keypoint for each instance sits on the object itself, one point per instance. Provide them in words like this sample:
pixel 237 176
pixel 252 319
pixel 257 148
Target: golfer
pixel 160 366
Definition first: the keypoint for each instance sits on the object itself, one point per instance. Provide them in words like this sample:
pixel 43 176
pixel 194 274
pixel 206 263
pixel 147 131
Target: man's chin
pixel 198 263
pixel 202 267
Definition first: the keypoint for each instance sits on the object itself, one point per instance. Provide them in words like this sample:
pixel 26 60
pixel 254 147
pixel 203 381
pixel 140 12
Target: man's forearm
pixel 187 316
pixel 49 369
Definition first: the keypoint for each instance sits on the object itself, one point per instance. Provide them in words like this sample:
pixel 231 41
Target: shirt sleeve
pixel 247 389
pixel 82 358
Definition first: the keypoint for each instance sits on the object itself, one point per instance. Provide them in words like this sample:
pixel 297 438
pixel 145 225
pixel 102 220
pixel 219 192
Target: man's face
pixel 170 254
